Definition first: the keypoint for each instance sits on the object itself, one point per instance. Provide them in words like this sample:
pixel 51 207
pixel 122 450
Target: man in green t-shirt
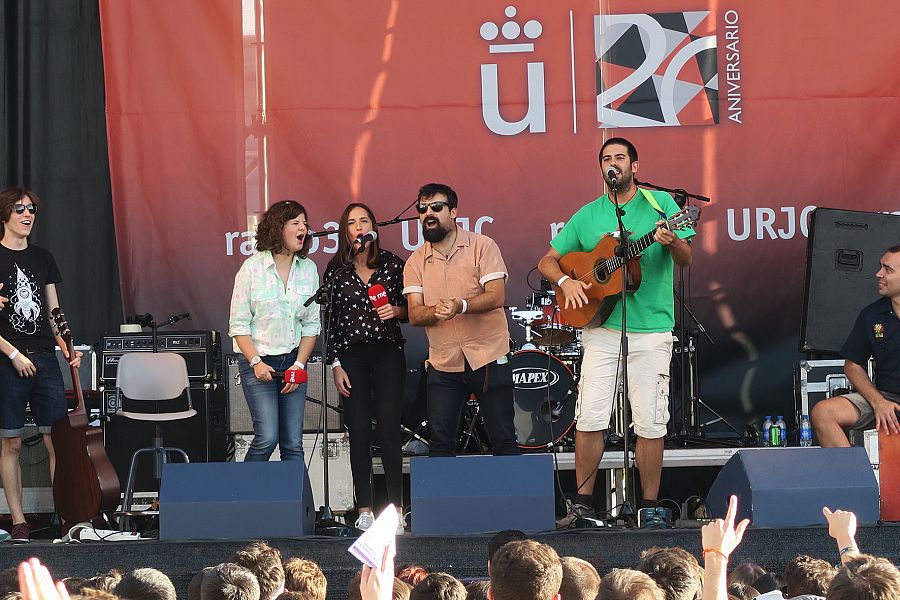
pixel 651 318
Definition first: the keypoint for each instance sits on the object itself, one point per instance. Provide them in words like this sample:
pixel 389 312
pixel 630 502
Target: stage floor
pixel 462 556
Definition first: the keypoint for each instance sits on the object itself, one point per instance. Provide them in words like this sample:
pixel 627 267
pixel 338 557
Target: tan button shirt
pixel 474 338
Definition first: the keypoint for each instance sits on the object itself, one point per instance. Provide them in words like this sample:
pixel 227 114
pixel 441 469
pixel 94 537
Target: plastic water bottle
pixel 805 431
pixel 782 426
pixel 766 429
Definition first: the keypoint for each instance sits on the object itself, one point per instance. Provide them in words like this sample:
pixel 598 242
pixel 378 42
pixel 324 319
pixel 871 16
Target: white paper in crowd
pixel 370 546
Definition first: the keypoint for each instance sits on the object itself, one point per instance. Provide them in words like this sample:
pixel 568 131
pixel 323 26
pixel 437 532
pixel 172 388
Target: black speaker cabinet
pixel 204 436
pixel 842 255
pixel 240 421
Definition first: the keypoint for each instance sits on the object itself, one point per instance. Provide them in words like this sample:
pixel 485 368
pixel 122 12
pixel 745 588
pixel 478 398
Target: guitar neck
pixel 76 383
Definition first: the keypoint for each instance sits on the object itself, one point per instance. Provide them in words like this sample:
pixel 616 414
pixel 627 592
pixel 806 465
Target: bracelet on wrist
pixel 846 550
pixel 561 280
pixel 714 551
pixel 300 365
pixel 465 307
pixel 335 363
pixel 14 354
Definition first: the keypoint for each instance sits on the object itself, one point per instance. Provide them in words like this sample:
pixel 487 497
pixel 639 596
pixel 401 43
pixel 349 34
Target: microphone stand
pixel 690 402
pixel 324 296
pixel 627 510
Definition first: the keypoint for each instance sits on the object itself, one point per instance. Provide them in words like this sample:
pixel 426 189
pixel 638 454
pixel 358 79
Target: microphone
pixel 378 295
pixel 613 177
pixel 362 240
pixel 174 319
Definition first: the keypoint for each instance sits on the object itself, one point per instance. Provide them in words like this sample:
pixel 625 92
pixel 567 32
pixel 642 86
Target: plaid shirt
pixel 274 317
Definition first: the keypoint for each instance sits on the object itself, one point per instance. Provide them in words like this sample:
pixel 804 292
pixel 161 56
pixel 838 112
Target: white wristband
pixel 465 307
pixel 300 365
pixel 14 354
pixel 561 279
pixel 335 363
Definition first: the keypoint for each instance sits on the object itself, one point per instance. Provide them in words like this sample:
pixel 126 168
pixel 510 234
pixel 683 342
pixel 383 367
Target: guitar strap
pixel 653 203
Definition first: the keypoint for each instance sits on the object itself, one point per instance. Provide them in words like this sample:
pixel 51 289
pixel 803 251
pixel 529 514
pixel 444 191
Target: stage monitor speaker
pixel 204 436
pixel 235 501
pixel 842 255
pixel 477 494
pixel 787 487
pixel 240 420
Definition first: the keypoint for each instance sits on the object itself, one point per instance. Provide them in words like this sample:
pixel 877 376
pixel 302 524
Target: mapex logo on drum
pixel 534 377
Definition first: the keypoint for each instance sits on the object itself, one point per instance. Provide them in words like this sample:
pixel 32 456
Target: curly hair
pixel 268 232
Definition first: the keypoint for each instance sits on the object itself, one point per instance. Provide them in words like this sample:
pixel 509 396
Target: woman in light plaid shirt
pixel 273 331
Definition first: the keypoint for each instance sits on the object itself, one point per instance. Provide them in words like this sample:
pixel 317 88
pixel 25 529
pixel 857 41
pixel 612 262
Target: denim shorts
pixel 44 392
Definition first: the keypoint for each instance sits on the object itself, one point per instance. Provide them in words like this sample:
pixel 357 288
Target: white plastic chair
pixel 152 378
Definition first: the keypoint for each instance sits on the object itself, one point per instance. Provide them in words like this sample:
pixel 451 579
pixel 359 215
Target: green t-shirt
pixel 651 308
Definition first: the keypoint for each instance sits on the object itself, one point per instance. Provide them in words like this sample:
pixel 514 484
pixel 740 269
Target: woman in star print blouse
pixel 365 351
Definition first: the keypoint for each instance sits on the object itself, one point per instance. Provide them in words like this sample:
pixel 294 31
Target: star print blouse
pixel 353 319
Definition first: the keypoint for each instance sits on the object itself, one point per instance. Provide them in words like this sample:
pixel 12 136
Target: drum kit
pixel 545 371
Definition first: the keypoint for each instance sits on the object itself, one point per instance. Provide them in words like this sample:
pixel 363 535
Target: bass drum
pixel 544 397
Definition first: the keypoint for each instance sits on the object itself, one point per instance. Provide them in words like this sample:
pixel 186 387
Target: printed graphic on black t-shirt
pixel 23 320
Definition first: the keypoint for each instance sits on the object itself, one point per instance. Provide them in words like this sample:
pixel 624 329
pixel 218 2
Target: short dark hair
pixel 501 538
pixel 632 151
pixel 525 569
pixel 9 197
pixel 196 582
pixel 264 561
pixel 893 249
pixel 742 591
pixel 675 570
pixel 746 572
pixel 808 575
pixel 865 577
pixel 306 577
pixel 430 190
pixel 268 232
pixel 146 584
pixel 478 590
pixel 104 581
pixel 228 581
pixel 628 584
pixel 439 586
pixel 580 580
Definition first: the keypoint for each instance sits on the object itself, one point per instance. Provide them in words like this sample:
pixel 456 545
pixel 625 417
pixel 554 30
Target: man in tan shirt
pixel 454 285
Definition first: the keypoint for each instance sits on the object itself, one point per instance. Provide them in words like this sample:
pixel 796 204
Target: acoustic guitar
pixel 85 483
pixel 598 266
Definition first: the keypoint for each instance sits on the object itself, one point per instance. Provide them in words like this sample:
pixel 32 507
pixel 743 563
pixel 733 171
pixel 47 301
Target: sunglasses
pixel 21 208
pixel 434 206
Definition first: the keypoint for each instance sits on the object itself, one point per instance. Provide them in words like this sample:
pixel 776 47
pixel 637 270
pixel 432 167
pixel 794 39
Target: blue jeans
pixel 277 417
pixel 44 391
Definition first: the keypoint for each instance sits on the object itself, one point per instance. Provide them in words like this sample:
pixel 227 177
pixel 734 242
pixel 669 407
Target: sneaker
pixel 21 532
pixel 364 521
pixel 654 518
pixel 576 511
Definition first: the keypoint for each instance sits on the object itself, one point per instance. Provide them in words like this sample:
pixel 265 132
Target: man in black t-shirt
pixel 876 334
pixel 29 371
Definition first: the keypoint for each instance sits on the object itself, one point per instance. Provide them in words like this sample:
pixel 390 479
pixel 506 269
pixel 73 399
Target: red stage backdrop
pixel 217 109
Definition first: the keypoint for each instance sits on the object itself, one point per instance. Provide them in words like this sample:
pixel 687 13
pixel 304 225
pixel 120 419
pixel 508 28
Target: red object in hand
pixel 295 375
pixel 378 295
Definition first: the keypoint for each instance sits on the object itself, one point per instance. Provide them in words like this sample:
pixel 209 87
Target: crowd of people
pixel 517 568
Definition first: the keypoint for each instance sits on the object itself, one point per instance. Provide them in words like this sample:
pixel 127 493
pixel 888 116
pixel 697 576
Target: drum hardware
pixel 525 318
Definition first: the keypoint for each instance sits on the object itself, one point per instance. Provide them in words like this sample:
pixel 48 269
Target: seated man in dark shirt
pixel 875 334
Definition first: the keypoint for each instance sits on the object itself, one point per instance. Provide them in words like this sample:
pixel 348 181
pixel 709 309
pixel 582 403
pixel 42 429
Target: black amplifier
pixel 201 351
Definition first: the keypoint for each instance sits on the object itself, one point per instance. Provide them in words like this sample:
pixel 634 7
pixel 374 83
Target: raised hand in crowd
pixel 378 583
pixel 35 582
pixel 719 539
pixel 842 527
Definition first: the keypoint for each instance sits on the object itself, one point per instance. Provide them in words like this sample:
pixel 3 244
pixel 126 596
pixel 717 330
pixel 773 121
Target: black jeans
pixel 448 393
pixel 377 371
